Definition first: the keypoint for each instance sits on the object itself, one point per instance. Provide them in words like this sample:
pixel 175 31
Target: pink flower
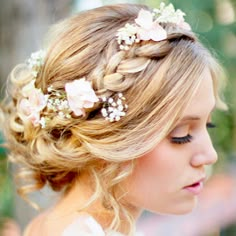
pixel 149 29
pixel 184 25
pixel 27 89
pixel 80 95
pixel 31 106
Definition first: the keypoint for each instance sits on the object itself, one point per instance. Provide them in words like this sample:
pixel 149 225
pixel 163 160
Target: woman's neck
pixel 75 200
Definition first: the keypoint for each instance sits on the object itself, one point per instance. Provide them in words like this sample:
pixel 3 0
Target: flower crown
pixel 78 95
pixel 147 26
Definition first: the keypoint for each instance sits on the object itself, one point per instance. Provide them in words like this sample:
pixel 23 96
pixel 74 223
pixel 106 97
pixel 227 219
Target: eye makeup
pixel 182 140
pixel 210 125
pixel 187 138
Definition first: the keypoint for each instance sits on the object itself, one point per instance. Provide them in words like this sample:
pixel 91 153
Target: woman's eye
pixel 182 140
pixel 210 125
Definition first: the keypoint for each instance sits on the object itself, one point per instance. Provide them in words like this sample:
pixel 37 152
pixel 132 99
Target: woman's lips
pixel 195 188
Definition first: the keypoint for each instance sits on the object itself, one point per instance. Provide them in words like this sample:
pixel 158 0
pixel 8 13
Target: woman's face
pixel 170 177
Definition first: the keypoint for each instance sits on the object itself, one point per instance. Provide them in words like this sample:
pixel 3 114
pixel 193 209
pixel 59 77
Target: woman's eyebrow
pixel 193 117
pixel 185 118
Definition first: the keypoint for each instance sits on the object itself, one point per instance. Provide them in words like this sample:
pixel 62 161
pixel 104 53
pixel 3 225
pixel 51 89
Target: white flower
pixel 80 95
pixel 27 89
pixel 114 109
pixel 149 29
pixel 168 14
pixel 147 26
pixel 33 103
pixel 126 36
pixel 36 61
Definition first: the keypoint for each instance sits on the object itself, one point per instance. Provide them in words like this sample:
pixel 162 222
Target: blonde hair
pixel 158 80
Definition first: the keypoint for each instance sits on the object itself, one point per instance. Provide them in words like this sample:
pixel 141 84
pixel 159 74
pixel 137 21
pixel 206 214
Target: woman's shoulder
pixel 83 224
pixel 33 226
pixel 86 225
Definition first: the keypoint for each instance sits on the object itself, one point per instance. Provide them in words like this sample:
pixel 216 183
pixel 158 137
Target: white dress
pixel 86 225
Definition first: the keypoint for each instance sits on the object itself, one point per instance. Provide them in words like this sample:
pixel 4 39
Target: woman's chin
pixel 179 209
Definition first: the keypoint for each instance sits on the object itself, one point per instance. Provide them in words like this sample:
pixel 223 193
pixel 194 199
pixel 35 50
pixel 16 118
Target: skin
pixel 160 177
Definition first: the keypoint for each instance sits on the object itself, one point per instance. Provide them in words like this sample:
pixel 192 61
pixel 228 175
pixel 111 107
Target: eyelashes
pixel 182 140
pixel 210 125
pixel 188 138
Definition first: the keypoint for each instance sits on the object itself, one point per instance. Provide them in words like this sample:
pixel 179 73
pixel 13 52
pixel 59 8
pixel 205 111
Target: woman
pixel 114 115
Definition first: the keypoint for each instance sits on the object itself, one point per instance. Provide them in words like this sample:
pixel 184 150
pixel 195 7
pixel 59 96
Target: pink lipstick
pixel 195 188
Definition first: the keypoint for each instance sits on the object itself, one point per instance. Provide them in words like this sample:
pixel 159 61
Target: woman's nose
pixel 206 154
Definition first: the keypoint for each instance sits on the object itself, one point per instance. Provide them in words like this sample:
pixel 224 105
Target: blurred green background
pixel 24 23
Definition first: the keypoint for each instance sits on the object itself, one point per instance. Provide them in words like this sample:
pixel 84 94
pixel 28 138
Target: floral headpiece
pixel 77 96
pixel 147 26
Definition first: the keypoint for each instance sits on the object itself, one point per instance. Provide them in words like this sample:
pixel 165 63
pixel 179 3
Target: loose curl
pixel 158 80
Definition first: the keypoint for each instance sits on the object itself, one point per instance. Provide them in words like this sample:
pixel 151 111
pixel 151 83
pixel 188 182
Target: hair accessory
pixel 114 109
pixel 36 61
pixel 72 101
pixel 147 26
pixel 40 108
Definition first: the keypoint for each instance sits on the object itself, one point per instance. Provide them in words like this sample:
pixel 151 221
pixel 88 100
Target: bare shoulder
pixel 71 225
pixel 44 225
pixel 33 226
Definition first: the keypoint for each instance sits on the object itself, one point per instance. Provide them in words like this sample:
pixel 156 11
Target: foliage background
pixel 23 24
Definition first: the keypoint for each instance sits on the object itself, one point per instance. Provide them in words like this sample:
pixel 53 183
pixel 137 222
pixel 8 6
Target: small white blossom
pixel 120 108
pixel 50 88
pixel 36 61
pixel 110 100
pixel 168 14
pixel 104 99
pixel 117 118
pixel 114 109
pixel 68 116
pixel 61 114
pixel 119 102
pixel 104 112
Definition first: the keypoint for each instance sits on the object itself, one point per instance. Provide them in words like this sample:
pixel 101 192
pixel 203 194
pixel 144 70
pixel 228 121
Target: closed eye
pixel 182 140
pixel 210 125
